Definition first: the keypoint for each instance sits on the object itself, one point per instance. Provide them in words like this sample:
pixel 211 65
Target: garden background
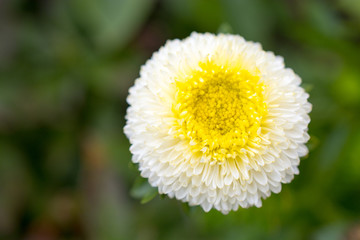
pixel 65 70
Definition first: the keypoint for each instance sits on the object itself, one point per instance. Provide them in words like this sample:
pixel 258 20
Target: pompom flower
pixel 218 122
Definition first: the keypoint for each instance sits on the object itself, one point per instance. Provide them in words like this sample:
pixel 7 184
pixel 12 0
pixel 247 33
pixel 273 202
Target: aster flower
pixel 218 122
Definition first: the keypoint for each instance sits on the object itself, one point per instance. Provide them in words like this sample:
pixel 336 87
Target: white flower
pixel 216 121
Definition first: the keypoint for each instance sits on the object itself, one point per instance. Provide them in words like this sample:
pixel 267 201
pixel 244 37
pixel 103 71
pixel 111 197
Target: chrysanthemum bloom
pixel 216 121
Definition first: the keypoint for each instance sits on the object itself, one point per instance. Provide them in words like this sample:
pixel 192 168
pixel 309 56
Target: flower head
pixel 216 121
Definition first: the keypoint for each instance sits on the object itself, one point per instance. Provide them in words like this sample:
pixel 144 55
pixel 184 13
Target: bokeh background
pixel 65 69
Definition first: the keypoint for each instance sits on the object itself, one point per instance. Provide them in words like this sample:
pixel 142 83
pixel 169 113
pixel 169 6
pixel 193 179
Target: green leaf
pixel 150 195
pixel 162 196
pixel 142 190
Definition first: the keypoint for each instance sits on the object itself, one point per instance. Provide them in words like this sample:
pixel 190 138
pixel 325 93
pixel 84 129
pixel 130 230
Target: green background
pixel 65 69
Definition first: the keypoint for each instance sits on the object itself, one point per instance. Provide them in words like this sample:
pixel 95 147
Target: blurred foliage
pixel 65 68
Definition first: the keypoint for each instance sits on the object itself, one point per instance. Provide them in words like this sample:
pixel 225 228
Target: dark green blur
pixel 65 69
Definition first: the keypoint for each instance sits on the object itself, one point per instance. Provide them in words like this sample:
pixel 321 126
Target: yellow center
pixel 219 110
